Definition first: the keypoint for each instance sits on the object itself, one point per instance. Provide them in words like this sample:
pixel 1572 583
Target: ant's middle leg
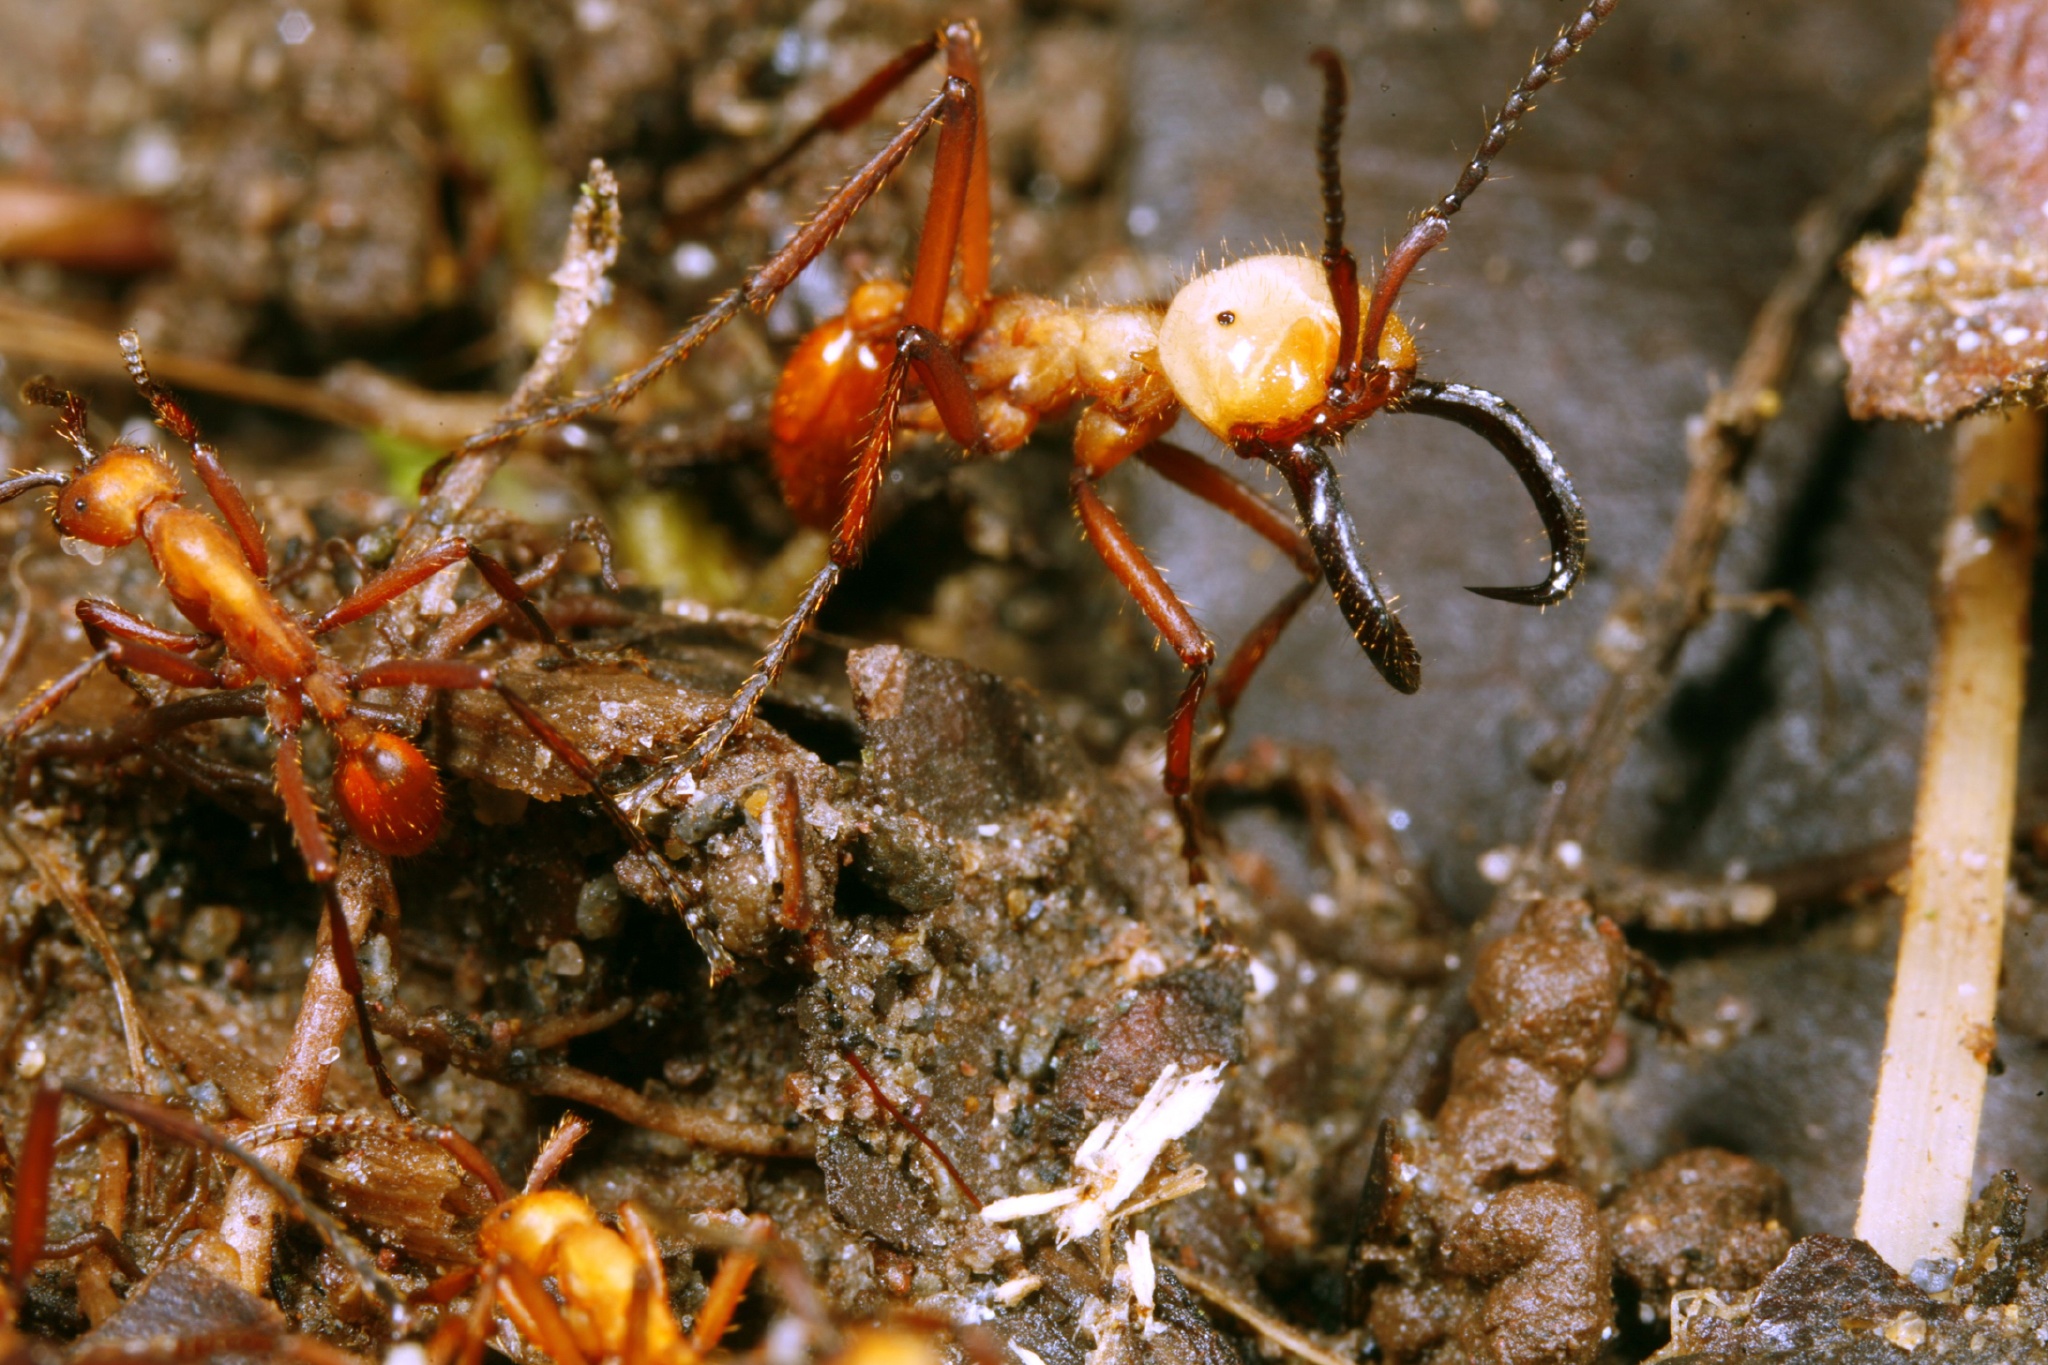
pixel 399 579
pixel 1224 491
pixel 125 643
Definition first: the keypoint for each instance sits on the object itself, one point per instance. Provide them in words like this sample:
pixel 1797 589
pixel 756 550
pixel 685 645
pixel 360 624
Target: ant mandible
pixel 1279 356
pixel 217 573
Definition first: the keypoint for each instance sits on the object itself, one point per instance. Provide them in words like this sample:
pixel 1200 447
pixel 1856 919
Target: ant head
pixel 104 502
pixel 1254 345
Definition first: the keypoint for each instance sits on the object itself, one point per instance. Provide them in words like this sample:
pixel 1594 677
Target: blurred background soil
pixel 312 188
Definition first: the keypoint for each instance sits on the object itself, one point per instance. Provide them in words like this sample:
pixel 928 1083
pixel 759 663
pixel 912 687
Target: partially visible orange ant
pixel 1279 356
pixel 577 1288
pixel 217 574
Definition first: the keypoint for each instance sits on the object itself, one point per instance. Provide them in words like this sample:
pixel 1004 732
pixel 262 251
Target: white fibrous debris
pixel 1116 1157
pixel 1010 1293
pixel 1027 1355
pixel 1144 1280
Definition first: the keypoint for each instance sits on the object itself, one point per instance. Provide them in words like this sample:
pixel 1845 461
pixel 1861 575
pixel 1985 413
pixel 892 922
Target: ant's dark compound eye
pixel 1225 318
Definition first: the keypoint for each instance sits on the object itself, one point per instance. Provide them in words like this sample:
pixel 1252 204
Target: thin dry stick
pixel 56 863
pixel 326 1016
pixel 1719 443
pixel 587 256
pixel 1939 1036
pixel 327 1013
pixel 1265 1324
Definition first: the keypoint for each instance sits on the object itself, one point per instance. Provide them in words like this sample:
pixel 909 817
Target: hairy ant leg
pixel 32 1186
pixel 213 476
pixel 959 41
pixel 386 587
pixel 455 675
pixel 955 227
pixel 1172 619
pixel 1224 491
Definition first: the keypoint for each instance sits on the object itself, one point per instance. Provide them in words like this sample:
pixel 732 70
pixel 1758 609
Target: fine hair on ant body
pixel 217 574
pixel 1279 356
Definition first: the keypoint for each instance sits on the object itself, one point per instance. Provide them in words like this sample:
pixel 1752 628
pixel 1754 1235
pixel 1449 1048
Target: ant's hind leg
pixel 454 674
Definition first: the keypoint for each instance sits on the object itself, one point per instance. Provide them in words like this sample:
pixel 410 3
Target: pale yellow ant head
pixel 1253 344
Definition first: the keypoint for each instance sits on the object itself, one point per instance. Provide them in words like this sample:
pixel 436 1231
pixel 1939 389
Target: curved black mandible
pixel 1506 430
pixel 1334 538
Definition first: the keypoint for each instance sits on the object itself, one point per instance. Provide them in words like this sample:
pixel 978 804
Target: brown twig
pixel 326 1015
pixel 1719 443
pixel 495 1061
pixel 587 255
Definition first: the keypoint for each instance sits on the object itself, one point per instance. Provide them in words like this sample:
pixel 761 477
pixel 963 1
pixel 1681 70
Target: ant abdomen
pixel 389 793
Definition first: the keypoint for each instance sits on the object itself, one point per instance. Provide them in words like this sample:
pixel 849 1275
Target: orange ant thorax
pixel 1027 358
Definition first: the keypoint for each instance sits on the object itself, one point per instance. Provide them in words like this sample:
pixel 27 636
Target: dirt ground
pixel 942 864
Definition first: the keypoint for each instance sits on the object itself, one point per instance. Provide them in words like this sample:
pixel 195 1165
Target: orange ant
pixel 1279 356
pixel 217 574
pixel 609 1298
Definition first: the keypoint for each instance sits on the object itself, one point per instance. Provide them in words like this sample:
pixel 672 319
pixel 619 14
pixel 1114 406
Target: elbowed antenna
pixel 1434 225
pixel 1340 267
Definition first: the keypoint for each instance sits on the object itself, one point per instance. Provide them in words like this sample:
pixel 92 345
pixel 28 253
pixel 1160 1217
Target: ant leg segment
pixel 1334 538
pixel 533 1311
pixel 54 692
pixel 400 579
pixel 1172 619
pixel 758 290
pixel 220 485
pixel 963 60
pixel 184 1128
pixel 1251 651
pixel 455 675
pixel 317 848
pixel 98 613
pixel 1224 491
pixel 393 583
pixel 920 349
pixel 848 111
pixel 32 1187
pixel 1340 267
pixel 960 153
pixel 728 1287
pixel 1506 430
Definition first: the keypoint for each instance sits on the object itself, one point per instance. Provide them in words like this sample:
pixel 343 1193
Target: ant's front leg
pixel 126 643
pixel 1172 619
